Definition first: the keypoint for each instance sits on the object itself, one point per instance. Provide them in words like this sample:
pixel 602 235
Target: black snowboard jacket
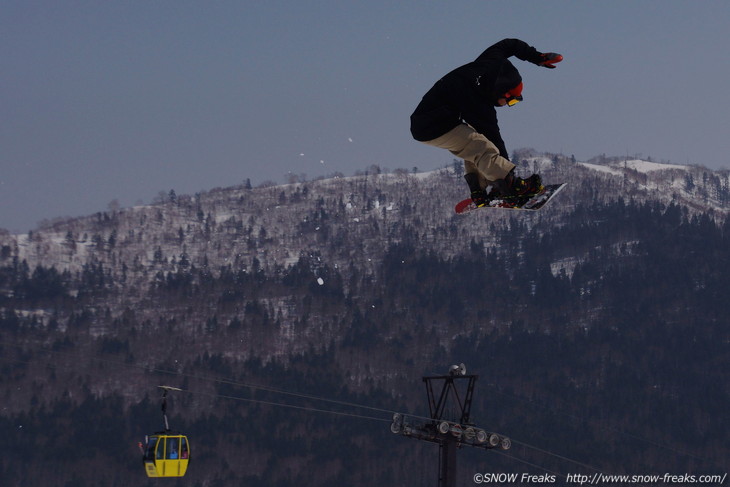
pixel 469 93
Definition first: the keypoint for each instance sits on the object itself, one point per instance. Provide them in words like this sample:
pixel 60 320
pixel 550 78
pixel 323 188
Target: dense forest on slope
pixel 599 333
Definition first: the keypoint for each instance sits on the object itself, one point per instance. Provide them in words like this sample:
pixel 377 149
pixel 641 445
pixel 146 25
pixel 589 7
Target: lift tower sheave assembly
pixel 450 433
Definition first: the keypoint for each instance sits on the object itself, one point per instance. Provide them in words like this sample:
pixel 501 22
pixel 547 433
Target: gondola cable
pixel 282 392
pixel 273 390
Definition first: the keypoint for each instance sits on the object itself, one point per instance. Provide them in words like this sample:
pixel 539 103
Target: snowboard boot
pixel 512 186
pixel 478 195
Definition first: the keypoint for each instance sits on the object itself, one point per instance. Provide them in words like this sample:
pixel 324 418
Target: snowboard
pixel 527 203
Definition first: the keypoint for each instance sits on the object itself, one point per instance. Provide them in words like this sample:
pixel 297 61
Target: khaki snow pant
pixel 480 155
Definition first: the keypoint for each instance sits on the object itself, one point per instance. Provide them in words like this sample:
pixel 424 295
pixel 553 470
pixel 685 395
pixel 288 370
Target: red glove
pixel 549 59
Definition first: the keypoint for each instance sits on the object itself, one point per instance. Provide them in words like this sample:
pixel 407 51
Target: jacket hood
pixel 507 79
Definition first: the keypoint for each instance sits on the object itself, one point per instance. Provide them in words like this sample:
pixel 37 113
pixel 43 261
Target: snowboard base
pixel 527 203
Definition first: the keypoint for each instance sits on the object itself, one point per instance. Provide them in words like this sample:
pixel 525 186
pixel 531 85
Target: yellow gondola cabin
pixel 166 455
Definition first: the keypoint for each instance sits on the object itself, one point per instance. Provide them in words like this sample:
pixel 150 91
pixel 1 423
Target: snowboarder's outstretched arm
pixel 521 50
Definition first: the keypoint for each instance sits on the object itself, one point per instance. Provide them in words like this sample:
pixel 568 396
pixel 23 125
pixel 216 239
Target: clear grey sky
pixel 119 100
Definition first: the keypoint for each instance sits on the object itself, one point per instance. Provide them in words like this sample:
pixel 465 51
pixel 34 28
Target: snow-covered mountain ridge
pixel 331 225
pixel 273 225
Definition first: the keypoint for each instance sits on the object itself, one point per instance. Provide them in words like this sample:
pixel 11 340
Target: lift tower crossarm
pixel 437 408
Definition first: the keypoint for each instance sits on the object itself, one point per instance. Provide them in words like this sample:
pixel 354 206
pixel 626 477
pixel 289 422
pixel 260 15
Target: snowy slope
pixel 274 225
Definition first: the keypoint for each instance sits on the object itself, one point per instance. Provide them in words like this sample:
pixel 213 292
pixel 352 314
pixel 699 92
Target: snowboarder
pixel 458 114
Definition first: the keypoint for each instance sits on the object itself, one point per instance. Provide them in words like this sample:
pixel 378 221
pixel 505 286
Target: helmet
pixel 514 95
